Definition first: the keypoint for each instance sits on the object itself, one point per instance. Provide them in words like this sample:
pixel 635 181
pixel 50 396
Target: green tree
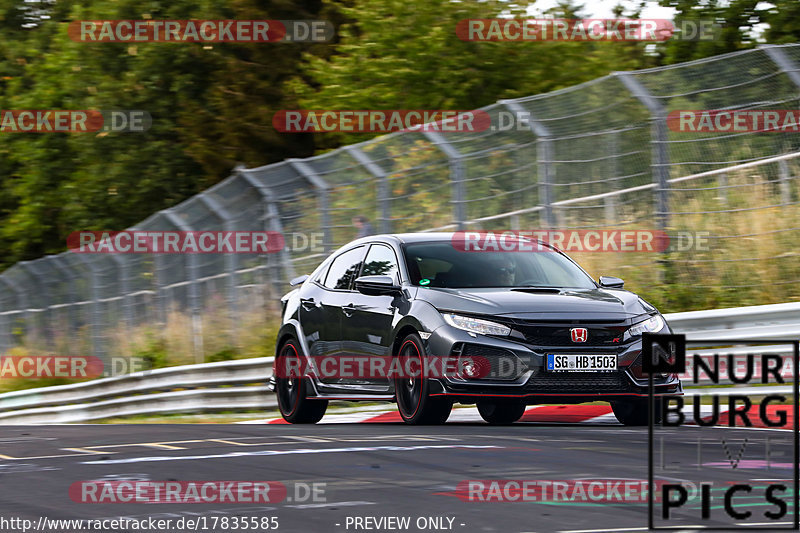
pixel 405 54
pixel 742 24
pixel 211 108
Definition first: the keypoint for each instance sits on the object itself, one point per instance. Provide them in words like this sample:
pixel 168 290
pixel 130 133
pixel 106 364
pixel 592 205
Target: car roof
pixel 423 237
pixel 404 238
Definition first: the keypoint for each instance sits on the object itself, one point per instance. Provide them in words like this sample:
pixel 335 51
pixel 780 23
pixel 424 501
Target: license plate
pixel 581 363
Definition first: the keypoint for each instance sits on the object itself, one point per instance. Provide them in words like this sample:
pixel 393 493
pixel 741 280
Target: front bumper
pixel 529 382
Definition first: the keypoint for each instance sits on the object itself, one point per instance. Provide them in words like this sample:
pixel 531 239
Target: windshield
pixel 440 264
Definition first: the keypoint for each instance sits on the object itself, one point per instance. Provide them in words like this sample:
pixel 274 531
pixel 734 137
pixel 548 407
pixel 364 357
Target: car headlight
pixel 651 325
pixel 476 325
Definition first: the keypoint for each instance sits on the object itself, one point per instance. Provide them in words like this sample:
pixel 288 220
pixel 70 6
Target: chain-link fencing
pixel 596 155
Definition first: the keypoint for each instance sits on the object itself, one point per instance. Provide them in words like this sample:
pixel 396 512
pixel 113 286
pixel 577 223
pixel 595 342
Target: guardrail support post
pixel 544 157
pixel 456 175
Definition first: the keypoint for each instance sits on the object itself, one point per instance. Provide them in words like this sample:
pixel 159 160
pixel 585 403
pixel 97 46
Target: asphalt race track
pixel 376 470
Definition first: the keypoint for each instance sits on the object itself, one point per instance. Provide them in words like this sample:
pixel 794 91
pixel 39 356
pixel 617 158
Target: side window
pixel 380 261
pixel 344 269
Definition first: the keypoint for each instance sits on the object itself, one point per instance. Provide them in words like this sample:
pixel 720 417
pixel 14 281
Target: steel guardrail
pixel 242 384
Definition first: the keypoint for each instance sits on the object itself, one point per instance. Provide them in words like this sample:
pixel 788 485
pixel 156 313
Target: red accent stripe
pixel 564 413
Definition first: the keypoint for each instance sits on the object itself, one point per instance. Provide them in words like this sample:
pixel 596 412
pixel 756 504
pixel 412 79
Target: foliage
pixel 740 22
pixel 210 106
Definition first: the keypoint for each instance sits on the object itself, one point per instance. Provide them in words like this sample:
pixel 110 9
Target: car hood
pixel 532 304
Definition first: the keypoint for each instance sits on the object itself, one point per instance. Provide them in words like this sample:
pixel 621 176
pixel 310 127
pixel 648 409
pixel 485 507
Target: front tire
pixel 414 403
pixel 501 412
pixel 635 412
pixel 292 389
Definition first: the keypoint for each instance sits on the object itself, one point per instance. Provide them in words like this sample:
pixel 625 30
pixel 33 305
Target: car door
pixel 368 319
pixel 321 307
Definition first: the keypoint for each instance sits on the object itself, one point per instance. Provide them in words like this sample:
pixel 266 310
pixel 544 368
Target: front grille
pixel 539 335
pixel 578 382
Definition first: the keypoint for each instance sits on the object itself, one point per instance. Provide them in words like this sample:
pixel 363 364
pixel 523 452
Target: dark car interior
pixel 442 265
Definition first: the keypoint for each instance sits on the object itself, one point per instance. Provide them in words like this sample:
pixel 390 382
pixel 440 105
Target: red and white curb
pixel 600 414
pixel 594 414
pixel 548 414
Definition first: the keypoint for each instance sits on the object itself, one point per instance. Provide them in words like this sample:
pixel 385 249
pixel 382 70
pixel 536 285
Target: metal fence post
pixel 544 157
pixel 272 222
pixel 456 175
pixel 660 156
pixel 161 298
pixel 384 204
pixel 43 321
pixel 786 65
pixel 722 181
pixel 124 288
pixel 98 350
pixel 231 259
pixel 610 202
pixel 783 183
pixel 41 281
pixel 194 296
pixel 8 332
pixel 323 190
pixel 68 276
pixel 72 295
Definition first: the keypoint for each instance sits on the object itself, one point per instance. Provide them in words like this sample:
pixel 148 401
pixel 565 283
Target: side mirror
pixel 610 282
pixel 298 280
pixel 376 285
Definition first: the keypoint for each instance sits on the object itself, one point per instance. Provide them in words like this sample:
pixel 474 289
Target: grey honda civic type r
pixel 438 325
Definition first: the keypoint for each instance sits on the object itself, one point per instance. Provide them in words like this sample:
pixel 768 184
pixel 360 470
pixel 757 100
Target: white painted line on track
pixel 300 451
